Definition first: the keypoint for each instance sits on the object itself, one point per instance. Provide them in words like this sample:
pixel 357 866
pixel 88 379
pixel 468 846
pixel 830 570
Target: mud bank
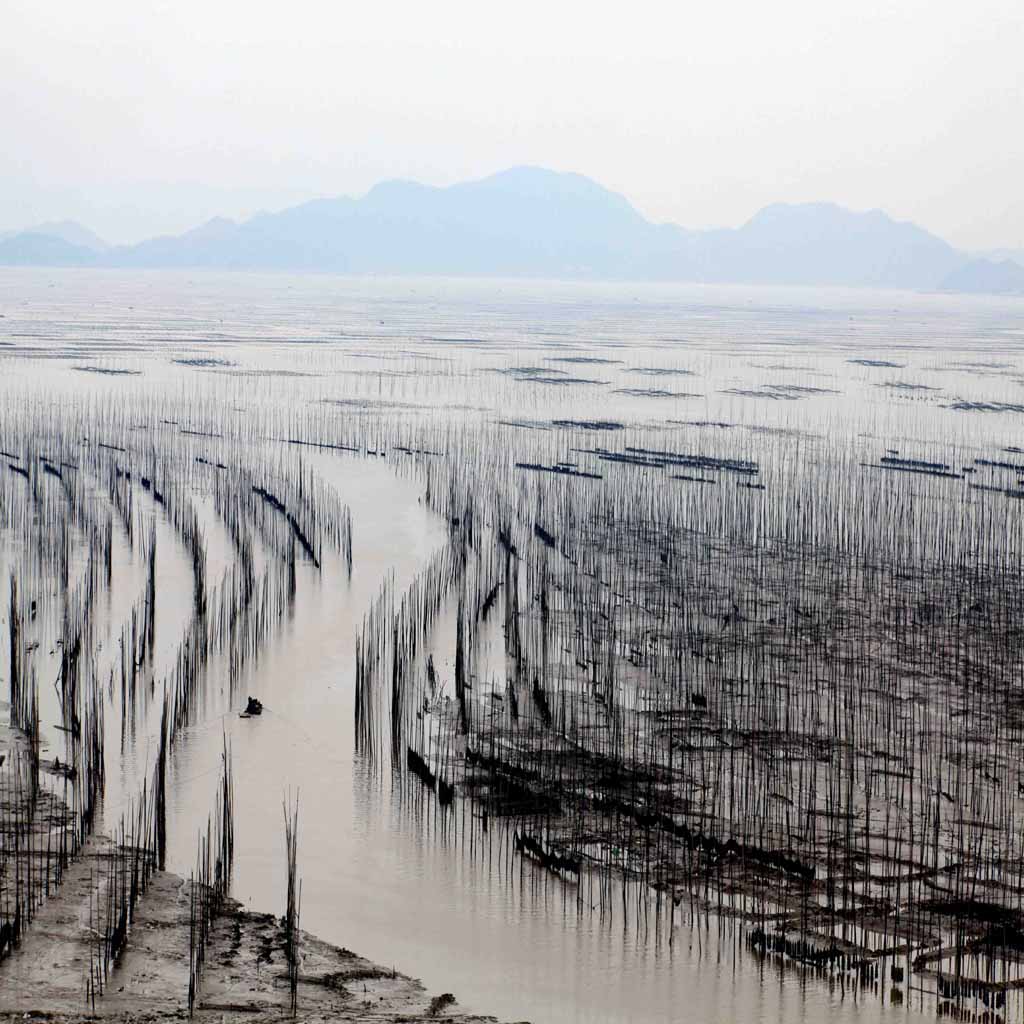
pixel 244 979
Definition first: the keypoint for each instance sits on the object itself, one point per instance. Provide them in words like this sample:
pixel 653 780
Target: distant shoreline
pixel 507 279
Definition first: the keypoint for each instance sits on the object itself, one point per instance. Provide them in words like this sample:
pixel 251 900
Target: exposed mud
pixel 245 975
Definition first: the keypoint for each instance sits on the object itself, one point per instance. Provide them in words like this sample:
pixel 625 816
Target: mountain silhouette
pixel 528 221
pixel 27 249
pixel 68 231
pixel 986 277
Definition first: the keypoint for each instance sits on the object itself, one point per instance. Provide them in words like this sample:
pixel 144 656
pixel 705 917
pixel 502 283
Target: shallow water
pixel 376 877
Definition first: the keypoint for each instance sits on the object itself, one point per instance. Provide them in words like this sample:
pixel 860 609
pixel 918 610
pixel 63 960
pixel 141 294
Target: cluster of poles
pixel 671 668
pixel 95 505
pixel 791 697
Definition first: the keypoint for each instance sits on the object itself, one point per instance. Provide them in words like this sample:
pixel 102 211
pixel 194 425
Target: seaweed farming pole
pixel 160 796
pixel 294 898
pixel 211 879
pixel 139 843
pixel 14 638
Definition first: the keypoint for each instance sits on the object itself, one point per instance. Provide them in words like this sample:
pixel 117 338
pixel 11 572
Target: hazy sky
pixel 139 117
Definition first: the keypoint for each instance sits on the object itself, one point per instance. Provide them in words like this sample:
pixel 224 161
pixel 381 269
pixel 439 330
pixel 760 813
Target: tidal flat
pixel 626 652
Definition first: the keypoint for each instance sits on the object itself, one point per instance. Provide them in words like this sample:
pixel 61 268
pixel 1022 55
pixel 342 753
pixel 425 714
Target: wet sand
pixel 244 978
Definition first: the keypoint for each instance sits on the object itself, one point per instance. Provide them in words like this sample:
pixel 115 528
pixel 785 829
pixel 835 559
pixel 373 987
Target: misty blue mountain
pixel 1003 277
pixel 63 230
pixel 31 249
pixel 998 255
pixel 535 222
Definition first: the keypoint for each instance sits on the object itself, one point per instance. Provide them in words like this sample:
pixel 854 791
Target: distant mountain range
pixel 67 231
pixel 534 222
pixel 998 255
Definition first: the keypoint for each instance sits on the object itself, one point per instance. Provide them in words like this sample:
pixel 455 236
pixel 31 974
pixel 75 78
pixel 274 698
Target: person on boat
pixel 253 707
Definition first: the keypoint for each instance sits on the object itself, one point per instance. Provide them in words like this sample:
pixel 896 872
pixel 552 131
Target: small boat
pixel 252 707
pixel 67 770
